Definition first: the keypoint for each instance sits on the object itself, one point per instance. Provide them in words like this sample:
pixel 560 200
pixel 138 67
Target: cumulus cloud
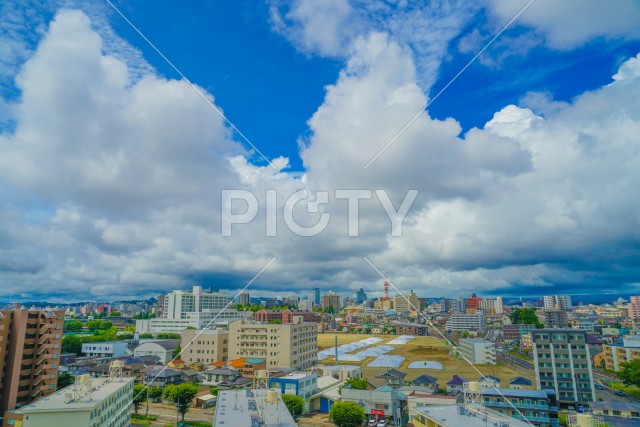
pixel 110 183
pixel 570 23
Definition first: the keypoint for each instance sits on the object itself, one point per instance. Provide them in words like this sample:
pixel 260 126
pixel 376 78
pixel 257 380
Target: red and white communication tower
pixel 386 289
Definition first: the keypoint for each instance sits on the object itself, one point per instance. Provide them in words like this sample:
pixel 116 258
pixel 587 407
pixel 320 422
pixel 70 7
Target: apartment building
pixel 562 361
pixel 331 301
pixel 406 303
pixel 30 344
pixel 616 354
pixel 539 407
pixel 492 306
pixel 515 332
pixel 97 402
pixel 204 346
pixel 633 309
pixel 244 298
pixel 466 322
pixel 477 351
pixel 290 345
pixel 555 318
pixel 415 330
pixel 285 316
pixel 557 301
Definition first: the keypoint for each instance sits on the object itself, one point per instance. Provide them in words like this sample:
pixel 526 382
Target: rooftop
pixel 250 408
pixel 510 392
pixel 101 388
pixel 450 415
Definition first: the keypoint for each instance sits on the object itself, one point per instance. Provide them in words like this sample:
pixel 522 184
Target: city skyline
pixel 114 159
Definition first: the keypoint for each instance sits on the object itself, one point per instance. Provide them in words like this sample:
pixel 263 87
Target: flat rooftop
pixel 101 388
pixel 250 408
pixel 450 416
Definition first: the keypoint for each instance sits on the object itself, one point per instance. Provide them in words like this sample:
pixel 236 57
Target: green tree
pixel 169 391
pixel 115 314
pixel 346 414
pixel 214 391
pixel 525 316
pixel 155 392
pixel 168 336
pixel 99 325
pixel 130 328
pixel 71 344
pixel 183 394
pixel 630 373
pixel 144 336
pixel 275 322
pixel 65 379
pixel 357 383
pixel 295 404
pixel 74 326
pixel 139 396
pixel 176 352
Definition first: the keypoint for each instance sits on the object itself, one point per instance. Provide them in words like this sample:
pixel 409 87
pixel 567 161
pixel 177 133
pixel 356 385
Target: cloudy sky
pixel 113 164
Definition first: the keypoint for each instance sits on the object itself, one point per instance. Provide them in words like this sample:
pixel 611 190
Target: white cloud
pixel 110 184
pixel 570 23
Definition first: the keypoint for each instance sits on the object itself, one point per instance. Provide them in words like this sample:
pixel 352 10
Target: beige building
pixel 30 345
pixel 204 346
pixel 91 402
pixel 331 301
pixel 291 346
pixel 406 303
pixel 615 355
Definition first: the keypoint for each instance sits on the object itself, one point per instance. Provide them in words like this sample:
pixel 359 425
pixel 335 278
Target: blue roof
pixel 520 381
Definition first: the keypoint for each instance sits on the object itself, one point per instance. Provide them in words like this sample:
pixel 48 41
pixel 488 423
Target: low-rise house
pixel 393 377
pixel 489 381
pixel 215 376
pixel 161 376
pixel 106 349
pixel 519 383
pixel 426 381
pixel 163 349
pixel 612 410
pixel 456 384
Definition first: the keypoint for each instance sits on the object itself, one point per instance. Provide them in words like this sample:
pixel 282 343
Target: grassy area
pixel 140 423
pixel 634 391
pixel 423 348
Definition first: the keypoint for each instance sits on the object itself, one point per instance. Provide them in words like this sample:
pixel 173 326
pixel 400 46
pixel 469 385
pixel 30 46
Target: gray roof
pixel 615 406
pixel 425 379
pixel 166 344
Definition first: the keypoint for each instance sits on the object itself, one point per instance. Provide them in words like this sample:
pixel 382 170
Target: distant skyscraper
pixel 316 297
pixel 557 301
pixel 361 296
pixel 243 298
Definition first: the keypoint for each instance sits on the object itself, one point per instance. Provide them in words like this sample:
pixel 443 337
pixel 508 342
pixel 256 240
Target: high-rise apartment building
pixel 244 299
pixel 291 346
pixel 477 351
pixel 562 302
pixel 563 363
pixel 555 318
pixel 473 304
pixel 331 301
pixel 30 342
pixel 492 306
pixel 633 309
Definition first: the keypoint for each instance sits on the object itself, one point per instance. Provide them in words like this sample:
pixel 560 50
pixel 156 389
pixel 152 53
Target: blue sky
pixel 129 196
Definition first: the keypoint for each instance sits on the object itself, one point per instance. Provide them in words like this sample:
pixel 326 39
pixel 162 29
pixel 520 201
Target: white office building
pixel 466 322
pixel 106 349
pixel 477 351
pixel 196 308
pixel 97 402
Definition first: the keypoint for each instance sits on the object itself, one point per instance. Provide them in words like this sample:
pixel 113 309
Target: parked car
pixel 372 422
pixel 599 386
pixel 619 393
pixel 382 423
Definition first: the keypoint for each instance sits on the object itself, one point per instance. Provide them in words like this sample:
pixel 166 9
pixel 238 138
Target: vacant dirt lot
pixel 422 348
